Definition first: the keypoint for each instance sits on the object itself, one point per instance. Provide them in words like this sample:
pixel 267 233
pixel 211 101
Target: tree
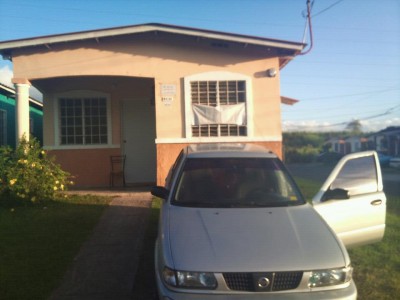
pixel 354 127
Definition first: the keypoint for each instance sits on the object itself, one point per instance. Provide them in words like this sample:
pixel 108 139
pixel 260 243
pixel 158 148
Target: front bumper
pixel 347 293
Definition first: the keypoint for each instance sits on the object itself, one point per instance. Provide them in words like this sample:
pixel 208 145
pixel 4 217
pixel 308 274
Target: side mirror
pixel 335 194
pixel 160 192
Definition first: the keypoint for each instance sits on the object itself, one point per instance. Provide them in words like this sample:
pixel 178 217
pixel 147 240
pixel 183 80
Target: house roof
pixel 391 130
pixel 9 91
pixel 287 49
pixel 288 101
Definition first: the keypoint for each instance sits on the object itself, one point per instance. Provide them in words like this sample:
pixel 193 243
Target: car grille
pixel 263 282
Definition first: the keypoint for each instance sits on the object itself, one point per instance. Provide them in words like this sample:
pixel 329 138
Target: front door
pixel 138 122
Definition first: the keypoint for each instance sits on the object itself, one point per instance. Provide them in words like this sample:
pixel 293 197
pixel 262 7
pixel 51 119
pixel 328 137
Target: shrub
pixel 5 162
pixel 304 154
pixel 29 174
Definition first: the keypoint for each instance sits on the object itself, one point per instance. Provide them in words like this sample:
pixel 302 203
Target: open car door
pixel 352 200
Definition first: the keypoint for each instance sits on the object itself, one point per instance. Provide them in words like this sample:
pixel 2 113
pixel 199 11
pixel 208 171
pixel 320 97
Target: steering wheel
pixel 258 193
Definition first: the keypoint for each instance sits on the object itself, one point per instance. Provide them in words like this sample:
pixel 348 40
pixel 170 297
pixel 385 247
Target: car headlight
pixel 331 277
pixel 186 279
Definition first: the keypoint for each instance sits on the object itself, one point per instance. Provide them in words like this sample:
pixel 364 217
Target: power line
pixel 349 64
pixel 325 9
pixel 328 83
pixel 351 95
pixel 320 116
pixel 385 113
pixel 329 109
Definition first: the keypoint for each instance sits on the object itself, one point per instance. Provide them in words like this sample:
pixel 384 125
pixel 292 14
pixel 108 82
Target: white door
pixel 352 200
pixel 138 121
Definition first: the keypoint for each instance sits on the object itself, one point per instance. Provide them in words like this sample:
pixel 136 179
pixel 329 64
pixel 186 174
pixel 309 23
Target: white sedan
pixel 234 225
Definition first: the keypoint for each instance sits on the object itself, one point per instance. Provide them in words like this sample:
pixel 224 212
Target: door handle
pixel 376 202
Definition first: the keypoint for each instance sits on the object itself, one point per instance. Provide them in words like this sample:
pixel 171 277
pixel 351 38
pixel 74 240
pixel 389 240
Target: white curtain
pixel 221 114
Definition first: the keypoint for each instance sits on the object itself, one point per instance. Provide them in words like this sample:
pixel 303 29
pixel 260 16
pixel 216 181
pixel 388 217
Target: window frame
pixel 218 76
pixel 57 120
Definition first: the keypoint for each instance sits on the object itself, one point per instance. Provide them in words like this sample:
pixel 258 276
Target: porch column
pixel 21 109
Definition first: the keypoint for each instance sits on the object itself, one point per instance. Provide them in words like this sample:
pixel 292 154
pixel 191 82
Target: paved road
pixel 319 173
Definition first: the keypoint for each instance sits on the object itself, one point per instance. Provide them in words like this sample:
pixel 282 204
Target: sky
pixel 352 71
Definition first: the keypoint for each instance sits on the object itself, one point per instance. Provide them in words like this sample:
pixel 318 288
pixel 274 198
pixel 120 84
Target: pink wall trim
pixel 89 167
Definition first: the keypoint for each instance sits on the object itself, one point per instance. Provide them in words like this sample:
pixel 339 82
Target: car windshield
pixel 235 182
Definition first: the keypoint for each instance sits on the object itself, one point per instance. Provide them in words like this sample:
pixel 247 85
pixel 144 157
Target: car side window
pixel 172 170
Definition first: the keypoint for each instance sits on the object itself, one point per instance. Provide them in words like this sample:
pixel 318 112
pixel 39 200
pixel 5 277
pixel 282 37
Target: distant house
pixel 357 143
pixel 149 90
pixel 7 117
pixel 387 141
pixel 336 144
pixel 349 145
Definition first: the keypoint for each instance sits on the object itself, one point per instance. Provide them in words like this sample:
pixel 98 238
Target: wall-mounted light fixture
pixel 271 72
pixel 6 56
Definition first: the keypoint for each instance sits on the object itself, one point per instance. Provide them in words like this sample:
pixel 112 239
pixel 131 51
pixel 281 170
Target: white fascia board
pixel 232 38
pixel 63 38
pixel 96 34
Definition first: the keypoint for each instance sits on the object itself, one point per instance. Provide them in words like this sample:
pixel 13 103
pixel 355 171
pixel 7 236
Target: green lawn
pixel 38 242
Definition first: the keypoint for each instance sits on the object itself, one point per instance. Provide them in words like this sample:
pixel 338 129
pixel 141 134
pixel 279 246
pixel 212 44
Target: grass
pixel 376 266
pixel 39 241
pixel 390 170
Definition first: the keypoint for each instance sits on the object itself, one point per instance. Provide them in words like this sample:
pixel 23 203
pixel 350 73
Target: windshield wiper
pixel 196 204
pixel 209 204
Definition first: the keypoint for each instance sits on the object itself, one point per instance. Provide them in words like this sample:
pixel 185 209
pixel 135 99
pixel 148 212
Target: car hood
pixel 252 239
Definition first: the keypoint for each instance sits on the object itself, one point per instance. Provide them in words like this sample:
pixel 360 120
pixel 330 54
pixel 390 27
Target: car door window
pixel 172 170
pixel 357 176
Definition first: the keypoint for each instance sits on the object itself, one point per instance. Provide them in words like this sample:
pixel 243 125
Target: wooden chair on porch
pixel 117 168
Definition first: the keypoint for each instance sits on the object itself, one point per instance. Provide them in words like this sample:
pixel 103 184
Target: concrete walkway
pixel 106 265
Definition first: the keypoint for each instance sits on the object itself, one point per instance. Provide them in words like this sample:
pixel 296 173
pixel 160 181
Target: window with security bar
pixel 83 121
pixel 219 108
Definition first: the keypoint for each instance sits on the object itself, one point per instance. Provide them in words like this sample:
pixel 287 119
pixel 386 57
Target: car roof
pixel 219 150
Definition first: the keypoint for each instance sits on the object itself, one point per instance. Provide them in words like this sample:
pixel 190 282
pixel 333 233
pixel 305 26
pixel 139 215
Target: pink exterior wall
pixel 90 168
pixel 163 58
pixel 167 59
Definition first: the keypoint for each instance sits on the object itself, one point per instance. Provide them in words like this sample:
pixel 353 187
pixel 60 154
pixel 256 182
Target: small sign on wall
pixel 167 100
pixel 168 91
